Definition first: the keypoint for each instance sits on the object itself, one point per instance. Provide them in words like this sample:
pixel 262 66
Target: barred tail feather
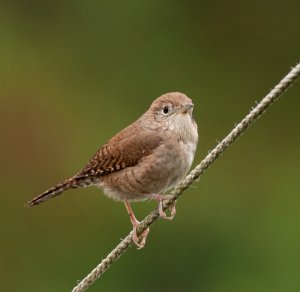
pixel 71 183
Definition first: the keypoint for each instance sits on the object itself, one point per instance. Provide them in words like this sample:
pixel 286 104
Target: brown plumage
pixel 144 159
pixel 124 150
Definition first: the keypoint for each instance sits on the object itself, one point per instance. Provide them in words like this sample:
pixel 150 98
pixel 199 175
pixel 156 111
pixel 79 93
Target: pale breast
pixel 183 162
pixel 188 150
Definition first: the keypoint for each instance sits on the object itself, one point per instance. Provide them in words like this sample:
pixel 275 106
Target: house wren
pixel 143 160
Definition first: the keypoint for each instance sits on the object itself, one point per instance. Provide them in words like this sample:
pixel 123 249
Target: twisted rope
pixel 239 129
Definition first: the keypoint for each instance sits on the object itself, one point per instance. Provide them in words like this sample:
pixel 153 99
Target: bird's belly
pixel 154 174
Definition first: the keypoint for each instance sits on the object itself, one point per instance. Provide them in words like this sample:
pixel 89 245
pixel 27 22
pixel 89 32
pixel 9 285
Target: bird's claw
pixel 140 240
pixel 162 213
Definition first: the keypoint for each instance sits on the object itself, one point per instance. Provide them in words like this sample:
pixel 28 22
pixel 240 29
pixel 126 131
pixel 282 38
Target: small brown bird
pixel 143 160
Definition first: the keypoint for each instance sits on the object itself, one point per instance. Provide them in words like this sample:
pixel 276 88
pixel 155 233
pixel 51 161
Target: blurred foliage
pixel 73 73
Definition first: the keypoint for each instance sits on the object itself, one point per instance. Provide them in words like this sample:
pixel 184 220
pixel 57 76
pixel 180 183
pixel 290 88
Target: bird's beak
pixel 187 108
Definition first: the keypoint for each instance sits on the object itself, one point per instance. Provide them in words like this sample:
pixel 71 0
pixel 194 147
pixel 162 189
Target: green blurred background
pixel 73 73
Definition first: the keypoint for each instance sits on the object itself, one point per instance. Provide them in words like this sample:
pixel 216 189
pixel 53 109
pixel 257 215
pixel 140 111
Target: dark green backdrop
pixel 73 73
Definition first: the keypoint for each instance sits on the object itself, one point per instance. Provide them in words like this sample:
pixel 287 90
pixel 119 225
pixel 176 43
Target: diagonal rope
pixel 239 129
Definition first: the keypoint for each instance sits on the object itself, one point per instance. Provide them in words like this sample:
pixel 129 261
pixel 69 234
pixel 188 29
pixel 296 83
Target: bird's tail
pixel 71 183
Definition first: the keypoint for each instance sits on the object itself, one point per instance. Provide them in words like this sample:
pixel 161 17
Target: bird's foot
pixel 139 240
pixel 162 213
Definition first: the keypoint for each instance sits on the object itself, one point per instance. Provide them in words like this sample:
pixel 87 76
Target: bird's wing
pixel 124 150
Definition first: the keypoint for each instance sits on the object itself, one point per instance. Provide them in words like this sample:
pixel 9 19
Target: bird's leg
pixel 162 214
pixel 139 241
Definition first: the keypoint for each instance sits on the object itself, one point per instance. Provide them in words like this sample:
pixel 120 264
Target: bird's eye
pixel 166 109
